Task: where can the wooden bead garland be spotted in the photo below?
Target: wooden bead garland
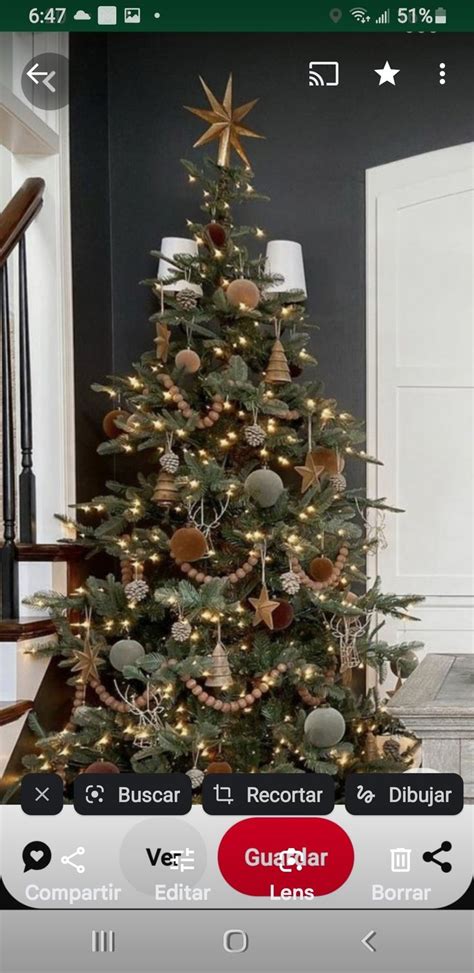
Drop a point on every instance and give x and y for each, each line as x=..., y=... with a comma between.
x=79, y=700
x=308, y=699
x=237, y=705
x=308, y=582
x=234, y=577
x=178, y=397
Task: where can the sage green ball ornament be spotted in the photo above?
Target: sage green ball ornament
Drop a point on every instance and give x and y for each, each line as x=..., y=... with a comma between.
x=405, y=664
x=264, y=486
x=126, y=652
x=324, y=727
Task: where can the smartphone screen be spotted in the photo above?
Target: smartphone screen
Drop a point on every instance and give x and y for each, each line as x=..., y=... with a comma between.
x=236, y=617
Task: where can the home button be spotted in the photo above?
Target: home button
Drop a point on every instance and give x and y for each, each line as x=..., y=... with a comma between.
x=235, y=941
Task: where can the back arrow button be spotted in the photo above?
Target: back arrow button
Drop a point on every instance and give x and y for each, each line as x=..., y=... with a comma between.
x=367, y=943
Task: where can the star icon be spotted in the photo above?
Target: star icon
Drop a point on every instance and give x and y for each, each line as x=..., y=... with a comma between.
x=224, y=124
x=387, y=74
x=310, y=472
x=264, y=607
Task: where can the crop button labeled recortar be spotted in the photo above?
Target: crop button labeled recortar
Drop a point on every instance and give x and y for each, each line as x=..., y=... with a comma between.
x=268, y=794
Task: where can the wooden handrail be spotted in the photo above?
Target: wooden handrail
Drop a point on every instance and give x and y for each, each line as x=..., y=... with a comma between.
x=18, y=214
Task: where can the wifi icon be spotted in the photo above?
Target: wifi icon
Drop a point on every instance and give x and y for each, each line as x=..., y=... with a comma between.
x=360, y=14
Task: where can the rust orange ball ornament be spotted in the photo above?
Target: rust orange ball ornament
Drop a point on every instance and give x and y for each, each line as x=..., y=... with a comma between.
x=217, y=234
x=108, y=424
x=188, y=360
x=332, y=461
x=101, y=767
x=219, y=767
x=243, y=293
x=321, y=569
x=188, y=544
x=283, y=616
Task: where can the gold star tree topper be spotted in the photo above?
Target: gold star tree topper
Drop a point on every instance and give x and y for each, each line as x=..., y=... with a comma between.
x=224, y=124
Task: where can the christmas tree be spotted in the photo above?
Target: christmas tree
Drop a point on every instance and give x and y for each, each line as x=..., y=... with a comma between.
x=232, y=637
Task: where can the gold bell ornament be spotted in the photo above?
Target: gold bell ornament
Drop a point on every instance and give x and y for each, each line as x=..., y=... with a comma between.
x=277, y=368
x=220, y=675
x=165, y=491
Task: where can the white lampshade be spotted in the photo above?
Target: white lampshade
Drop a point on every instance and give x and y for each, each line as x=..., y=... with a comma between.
x=170, y=247
x=285, y=258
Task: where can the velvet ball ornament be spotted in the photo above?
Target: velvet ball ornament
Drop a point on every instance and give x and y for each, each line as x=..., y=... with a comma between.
x=188, y=544
x=126, y=652
x=321, y=569
x=243, y=292
x=295, y=370
x=333, y=463
x=405, y=664
x=108, y=424
x=217, y=234
x=283, y=616
x=101, y=767
x=264, y=486
x=188, y=360
x=219, y=767
x=324, y=727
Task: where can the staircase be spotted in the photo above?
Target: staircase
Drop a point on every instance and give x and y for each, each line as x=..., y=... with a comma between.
x=26, y=680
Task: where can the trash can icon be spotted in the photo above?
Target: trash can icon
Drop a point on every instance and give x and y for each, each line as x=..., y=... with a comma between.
x=400, y=859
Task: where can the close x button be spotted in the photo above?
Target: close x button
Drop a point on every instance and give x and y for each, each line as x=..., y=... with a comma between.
x=42, y=794
x=266, y=794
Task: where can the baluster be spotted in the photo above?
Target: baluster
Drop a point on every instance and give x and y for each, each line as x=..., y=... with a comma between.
x=9, y=562
x=27, y=477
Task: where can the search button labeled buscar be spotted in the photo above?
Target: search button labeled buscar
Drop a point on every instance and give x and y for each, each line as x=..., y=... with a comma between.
x=132, y=794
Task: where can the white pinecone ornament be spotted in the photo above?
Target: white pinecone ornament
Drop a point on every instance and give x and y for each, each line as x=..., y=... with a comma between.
x=338, y=482
x=290, y=582
x=169, y=461
x=186, y=299
x=255, y=435
x=181, y=630
x=196, y=777
x=136, y=590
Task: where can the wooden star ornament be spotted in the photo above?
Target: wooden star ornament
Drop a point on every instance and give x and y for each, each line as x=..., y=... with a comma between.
x=224, y=124
x=87, y=661
x=310, y=472
x=162, y=342
x=264, y=607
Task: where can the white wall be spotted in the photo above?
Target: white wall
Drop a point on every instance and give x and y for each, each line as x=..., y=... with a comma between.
x=420, y=386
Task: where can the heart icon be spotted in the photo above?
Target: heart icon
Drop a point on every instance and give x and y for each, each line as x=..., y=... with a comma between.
x=36, y=855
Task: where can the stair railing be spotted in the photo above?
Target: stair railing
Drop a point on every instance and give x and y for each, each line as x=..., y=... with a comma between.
x=14, y=222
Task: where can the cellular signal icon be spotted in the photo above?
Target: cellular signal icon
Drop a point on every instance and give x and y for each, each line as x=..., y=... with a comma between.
x=384, y=18
x=360, y=14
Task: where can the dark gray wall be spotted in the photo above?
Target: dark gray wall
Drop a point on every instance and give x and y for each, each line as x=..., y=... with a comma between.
x=129, y=132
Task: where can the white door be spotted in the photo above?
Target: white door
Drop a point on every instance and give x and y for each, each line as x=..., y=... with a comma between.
x=420, y=386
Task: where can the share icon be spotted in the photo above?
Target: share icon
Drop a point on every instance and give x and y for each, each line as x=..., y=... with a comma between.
x=430, y=856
